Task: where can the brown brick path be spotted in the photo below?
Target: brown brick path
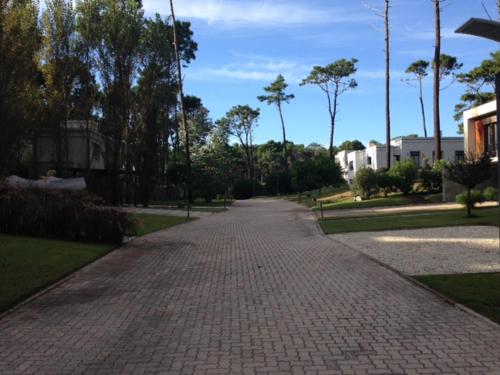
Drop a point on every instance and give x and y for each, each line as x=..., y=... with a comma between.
x=256, y=290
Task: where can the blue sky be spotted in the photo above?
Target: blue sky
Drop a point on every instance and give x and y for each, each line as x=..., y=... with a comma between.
x=244, y=45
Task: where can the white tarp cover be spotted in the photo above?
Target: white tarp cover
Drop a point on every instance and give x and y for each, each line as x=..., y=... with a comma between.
x=48, y=183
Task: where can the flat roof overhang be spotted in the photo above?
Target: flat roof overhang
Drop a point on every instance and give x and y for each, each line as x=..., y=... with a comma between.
x=480, y=27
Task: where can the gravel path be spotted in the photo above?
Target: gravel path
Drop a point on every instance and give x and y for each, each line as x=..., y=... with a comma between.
x=435, y=251
x=252, y=291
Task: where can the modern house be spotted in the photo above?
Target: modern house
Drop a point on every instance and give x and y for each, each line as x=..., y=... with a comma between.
x=480, y=130
x=419, y=149
x=480, y=137
x=82, y=148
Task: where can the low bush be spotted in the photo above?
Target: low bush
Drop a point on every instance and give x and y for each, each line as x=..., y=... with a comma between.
x=243, y=189
x=365, y=182
x=65, y=215
x=385, y=181
x=476, y=196
x=491, y=193
x=404, y=173
x=431, y=178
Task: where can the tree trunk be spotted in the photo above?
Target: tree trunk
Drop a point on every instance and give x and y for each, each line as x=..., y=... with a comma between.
x=285, y=156
x=183, y=108
x=469, y=203
x=387, y=88
x=333, y=115
x=437, y=63
x=421, y=98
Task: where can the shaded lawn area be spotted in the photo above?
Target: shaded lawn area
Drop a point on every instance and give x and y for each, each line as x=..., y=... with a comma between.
x=148, y=223
x=432, y=219
x=29, y=264
x=480, y=292
x=390, y=201
x=198, y=203
x=193, y=209
x=307, y=197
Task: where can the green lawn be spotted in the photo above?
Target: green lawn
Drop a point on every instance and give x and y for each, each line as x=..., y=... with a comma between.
x=28, y=264
x=147, y=223
x=198, y=203
x=480, y=292
x=307, y=198
x=392, y=200
x=483, y=216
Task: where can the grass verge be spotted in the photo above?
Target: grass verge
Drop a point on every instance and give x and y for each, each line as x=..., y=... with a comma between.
x=483, y=216
x=29, y=264
x=309, y=198
x=480, y=292
x=148, y=223
x=390, y=201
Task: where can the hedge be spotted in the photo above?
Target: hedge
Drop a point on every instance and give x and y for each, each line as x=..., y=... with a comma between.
x=61, y=214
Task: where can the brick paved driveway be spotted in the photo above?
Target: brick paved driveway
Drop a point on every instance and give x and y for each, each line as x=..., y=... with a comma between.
x=256, y=290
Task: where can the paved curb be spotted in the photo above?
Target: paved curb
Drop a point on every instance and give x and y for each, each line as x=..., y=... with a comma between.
x=73, y=274
x=54, y=285
x=419, y=284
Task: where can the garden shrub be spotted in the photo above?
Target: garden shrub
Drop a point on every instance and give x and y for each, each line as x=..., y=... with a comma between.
x=431, y=178
x=61, y=214
x=365, y=182
x=243, y=189
x=476, y=196
x=404, y=173
x=384, y=181
x=491, y=193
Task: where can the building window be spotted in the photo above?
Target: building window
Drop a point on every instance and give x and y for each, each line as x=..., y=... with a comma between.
x=415, y=156
x=351, y=166
x=459, y=156
x=350, y=181
x=369, y=160
x=397, y=157
x=96, y=151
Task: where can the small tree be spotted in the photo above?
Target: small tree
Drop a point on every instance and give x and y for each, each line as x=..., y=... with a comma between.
x=404, y=173
x=385, y=181
x=365, y=182
x=276, y=95
x=334, y=79
x=469, y=173
x=419, y=70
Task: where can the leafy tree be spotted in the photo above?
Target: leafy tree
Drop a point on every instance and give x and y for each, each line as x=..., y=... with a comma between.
x=276, y=94
x=476, y=81
x=448, y=66
x=419, y=70
x=385, y=181
x=20, y=97
x=365, y=182
x=469, y=173
x=431, y=178
x=351, y=145
x=404, y=173
x=334, y=80
x=59, y=61
x=241, y=121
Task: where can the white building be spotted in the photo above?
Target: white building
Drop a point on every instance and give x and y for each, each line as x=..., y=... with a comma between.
x=420, y=149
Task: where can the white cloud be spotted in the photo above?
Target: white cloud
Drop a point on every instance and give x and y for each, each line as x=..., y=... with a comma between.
x=446, y=33
x=259, y=69
x=260, y=12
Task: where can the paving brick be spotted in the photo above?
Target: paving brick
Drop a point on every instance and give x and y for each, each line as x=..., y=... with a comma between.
x=255, y=290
